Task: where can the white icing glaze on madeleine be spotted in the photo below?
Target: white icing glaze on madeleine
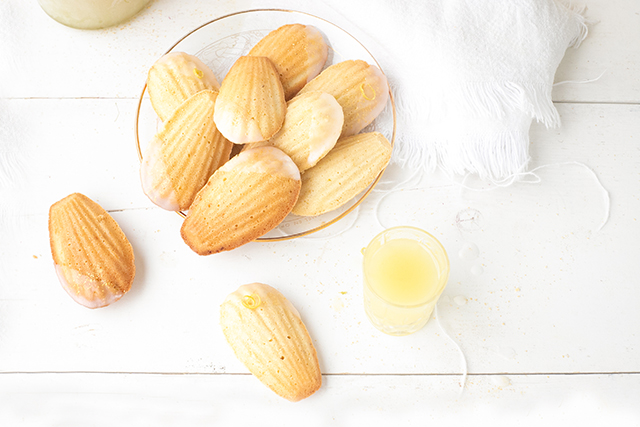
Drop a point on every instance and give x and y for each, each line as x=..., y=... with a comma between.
x=155, y=183
x=84, y=290
x=263, y=160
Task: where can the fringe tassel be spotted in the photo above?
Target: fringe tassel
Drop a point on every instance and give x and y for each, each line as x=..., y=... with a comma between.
x=496, y=99
x=577, y=13
x=493, y=156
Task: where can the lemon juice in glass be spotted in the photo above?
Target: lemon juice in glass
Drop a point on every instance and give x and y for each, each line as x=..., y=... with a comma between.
x=405, y=271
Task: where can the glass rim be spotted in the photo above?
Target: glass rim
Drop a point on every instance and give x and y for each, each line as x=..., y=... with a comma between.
x=371, y=185
x=439, y=245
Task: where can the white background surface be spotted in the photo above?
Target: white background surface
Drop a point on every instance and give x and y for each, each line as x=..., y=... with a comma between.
x=549, y=327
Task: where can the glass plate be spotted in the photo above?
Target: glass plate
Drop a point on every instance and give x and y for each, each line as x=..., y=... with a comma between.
x=220, y=42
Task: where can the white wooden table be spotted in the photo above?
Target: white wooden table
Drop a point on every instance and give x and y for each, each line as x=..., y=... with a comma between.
x=547, y=315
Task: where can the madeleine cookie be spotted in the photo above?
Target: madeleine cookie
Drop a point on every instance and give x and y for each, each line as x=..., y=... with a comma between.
x=361, y=90
x=174, y=78
x=251, y=105
x=298, y=52
x=311, y=128
x=267, y=335
x=244, y=199
x=347, y=170
x=180, y=159
x=92, y=256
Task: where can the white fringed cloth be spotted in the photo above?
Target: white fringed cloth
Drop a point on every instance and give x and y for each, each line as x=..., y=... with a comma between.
x=469, y=76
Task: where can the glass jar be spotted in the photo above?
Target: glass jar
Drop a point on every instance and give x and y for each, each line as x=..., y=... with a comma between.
x=405, y=271
x=92, y=14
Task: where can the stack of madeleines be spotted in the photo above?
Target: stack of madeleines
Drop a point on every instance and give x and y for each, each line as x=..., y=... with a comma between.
x=299, y=126
x=302, y=153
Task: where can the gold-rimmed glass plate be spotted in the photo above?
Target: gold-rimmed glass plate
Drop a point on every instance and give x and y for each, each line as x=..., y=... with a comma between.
x=220, y=42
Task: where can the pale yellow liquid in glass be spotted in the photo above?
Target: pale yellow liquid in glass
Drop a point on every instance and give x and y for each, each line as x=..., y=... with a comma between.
x=403, y=272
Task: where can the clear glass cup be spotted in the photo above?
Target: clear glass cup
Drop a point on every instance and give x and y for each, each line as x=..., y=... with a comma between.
x=92, y=14
x=405, y=270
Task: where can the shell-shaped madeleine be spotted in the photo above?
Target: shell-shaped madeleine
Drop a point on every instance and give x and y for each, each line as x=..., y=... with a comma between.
x=180, y=159
x=251, y=105
x=361, y=89
x=267, y=335
x=244, y=199
x=311, y=128
x=298, y=51
x=92, y=256
x=176, y=77
x=347, y=170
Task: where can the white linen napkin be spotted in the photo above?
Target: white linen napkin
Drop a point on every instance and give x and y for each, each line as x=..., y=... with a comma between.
x=469, y=76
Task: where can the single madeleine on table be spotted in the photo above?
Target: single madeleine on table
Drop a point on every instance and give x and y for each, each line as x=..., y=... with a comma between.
x=267, y=334
x=174, y=78
x=180, y=159
x=244, y=199
x=92, y=256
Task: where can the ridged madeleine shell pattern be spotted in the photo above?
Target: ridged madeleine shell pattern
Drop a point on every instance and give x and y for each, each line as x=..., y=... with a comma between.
x=361, y=89
x=241, y=203
x=267, y=335
x=299, y=53
x=251, y=105
x=93, y=258
x=347, y=170
x=176, y=77
x=311, y=128
x=180, y=159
